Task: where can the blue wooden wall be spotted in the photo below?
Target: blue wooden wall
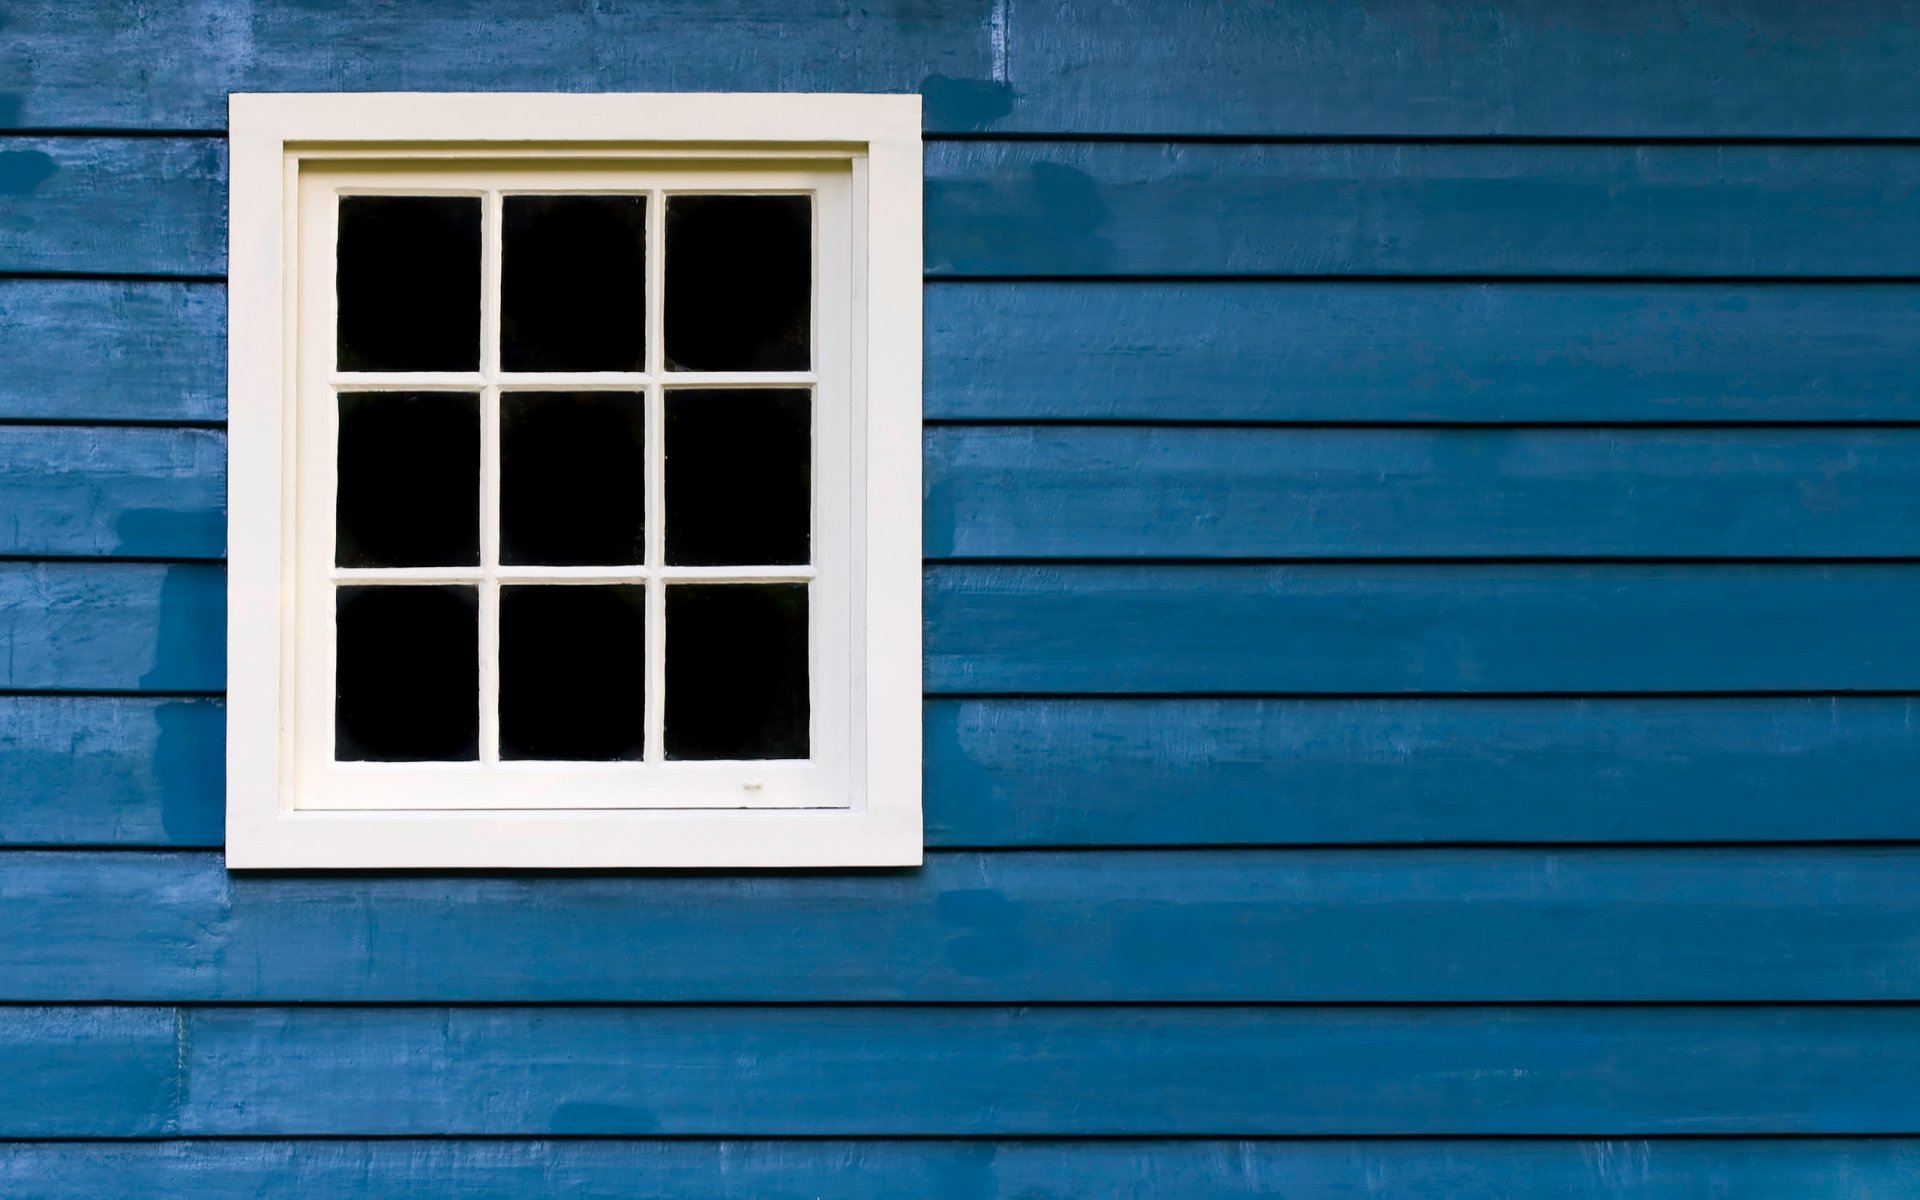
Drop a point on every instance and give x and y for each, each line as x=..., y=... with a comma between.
x=1423, y=507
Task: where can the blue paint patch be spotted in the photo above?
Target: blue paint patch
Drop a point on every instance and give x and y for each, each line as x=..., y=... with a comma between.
x=23, y=171
x=189, y=770
x=9, y=105
x=170, y=533
x=965, y=105
x=577, y=1117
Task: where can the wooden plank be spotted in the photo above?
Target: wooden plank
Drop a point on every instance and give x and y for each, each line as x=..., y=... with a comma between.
x=1130, y=493
x=1040, y=209
x=84, y=491
x=1128, y=1071
x=1755, y=68
x=112, y=770
x=1352, y=628
x=1357, y=351
x=1121, y=493
x=1354, y=351
x=1810, y=1168
x=121, y=206
x=1405, y=925
x=1036, y=209
x=85, y=350
x=1223, y=630
x=1227, y=772
x=112, y=627
x=137, y=771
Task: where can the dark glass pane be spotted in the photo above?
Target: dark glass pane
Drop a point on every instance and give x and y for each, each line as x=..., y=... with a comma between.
x=573, y=283
x=736, y=671
x=739, y=283
x=409, y=283
x=409, y=491
x=573, y=669
x=572, y=478
x=739, y=477
x=407, y=678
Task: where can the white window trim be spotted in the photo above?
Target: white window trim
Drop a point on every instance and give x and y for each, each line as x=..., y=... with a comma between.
x=875, y=820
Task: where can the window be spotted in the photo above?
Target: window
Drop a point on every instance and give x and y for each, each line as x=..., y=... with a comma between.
x=574, y=481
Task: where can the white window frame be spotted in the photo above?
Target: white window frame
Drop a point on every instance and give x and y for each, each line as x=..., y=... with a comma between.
x=856, y=800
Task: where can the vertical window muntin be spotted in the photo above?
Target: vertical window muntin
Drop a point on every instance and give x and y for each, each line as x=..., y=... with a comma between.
x=660, y=778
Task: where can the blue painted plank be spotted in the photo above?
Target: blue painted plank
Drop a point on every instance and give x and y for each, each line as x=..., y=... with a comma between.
x=1121, y=493
x=1411, y=67
x=112, y=627
x=98, y=771
x=88, y=492
x=1226, y=772
x=136, y=771
x=1327, y=628
x=1130, y=493
x=1325, y=925
x=597, y=1169
x=989, y=1072
x=1355, y=351
x=1090, y=209
x=1352, y=628
x=112, y=770
x=100, y=351
x=1040, y=209
x=140, y=206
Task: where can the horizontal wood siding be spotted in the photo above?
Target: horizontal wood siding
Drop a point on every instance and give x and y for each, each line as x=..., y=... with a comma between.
x=1679, y=924
x=612, y=1169
x=140, y=771
x=1061, y=1071
x=1423, y=533
x=1631, y=68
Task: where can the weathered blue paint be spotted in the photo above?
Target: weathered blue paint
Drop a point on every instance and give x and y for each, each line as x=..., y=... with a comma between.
x=1055, y=1070
x=1274, y=808
x=1631, y=68
x=135, y=771
x=1352, y=351
x=1413, y=628
x=1039, y=209
x=612, y=1169
x=1189, y=925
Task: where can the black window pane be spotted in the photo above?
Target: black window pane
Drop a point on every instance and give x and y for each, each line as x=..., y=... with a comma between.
x=736, y=671
x=572, y=478
x=573, y=672
x=409, y=480
x=739, y=283
x=408, y=281
x=407, y=678
x=573, y=283
x=739, y=477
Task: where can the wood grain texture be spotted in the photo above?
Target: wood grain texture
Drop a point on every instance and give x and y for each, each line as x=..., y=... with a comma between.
x=112, y=627
x=1480, y=925
x=1354, y=351
x=137, y=771
x=1126, y=493
x=120, y=206
x=1349, y=628
x=1178, y=772
x=112, y=770
x=747, y=1071
x=1042, y=209
x=1037, y=209
x=1409, y=67
x=597, y=1169
x=1359, y=351
x=85, y=350
x=88, y=492
x=1129, y=493
x=1127, y=630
